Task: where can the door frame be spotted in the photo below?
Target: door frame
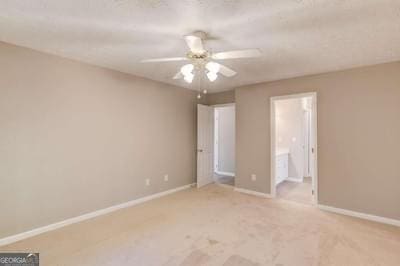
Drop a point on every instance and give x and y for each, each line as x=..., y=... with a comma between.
x=307, y=142
x=314, y=133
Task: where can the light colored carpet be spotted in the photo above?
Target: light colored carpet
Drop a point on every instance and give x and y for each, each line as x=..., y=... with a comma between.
x=294, y=191
x=217, y=226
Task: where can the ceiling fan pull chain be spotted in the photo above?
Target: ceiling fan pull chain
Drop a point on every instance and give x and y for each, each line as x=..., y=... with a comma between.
x=199, y=84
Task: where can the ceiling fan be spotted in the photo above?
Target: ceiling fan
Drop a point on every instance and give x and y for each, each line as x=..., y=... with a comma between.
x=201, y=59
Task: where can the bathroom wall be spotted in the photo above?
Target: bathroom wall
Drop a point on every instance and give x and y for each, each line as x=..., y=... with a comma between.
x=291, y=133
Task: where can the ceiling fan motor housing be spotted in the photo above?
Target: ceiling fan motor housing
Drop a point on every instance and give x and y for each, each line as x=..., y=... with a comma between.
x=201, y=34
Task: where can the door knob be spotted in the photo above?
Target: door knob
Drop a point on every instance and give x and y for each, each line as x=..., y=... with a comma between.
x=199, y=150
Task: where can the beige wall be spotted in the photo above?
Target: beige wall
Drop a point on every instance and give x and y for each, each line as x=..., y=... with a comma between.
x=358, y=136
x=76, y=138
x=220, y=97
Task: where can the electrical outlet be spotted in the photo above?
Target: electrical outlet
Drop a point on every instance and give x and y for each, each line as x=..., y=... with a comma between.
x=166, y=178
x=253, y=177
x=147, y=182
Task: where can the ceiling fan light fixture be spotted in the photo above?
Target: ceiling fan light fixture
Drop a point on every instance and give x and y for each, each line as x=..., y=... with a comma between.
x=188, y=77
x=187, y=69
x=212, y=76
x=213, y=67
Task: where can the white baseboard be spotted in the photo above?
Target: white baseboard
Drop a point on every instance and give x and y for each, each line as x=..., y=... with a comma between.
x=252, y=192
x=51, y=227
x=290, y=179
x=294, y=179
x=225, y=173
x=280, y=181
x=361, y=215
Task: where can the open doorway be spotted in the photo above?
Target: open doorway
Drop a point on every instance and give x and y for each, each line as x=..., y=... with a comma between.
x=224, y=144
x=293, y=147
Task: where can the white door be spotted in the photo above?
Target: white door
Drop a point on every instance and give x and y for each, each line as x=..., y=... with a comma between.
x=204, y=145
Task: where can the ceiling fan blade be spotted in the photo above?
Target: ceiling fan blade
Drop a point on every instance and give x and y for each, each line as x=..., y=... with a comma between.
x=237, y=54
x=166, y=59
x=226, y=71
x=195, y=44
x=178, y=75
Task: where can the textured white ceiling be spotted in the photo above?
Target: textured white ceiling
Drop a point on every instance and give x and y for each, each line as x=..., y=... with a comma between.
x=297, y=37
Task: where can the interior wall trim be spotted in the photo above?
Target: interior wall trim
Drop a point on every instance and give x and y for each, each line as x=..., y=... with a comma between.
x=360, y=215
x=54, y=226
x=295, y=179
x=252, y=192
x=225, y=173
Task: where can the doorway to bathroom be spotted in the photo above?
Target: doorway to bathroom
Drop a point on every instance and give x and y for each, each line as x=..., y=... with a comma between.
x=293, y=147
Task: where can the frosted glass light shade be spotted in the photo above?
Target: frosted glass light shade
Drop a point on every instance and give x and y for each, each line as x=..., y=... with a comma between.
x=187, y=69
x=188, y=77
x=213, y=67
x=212, y=76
